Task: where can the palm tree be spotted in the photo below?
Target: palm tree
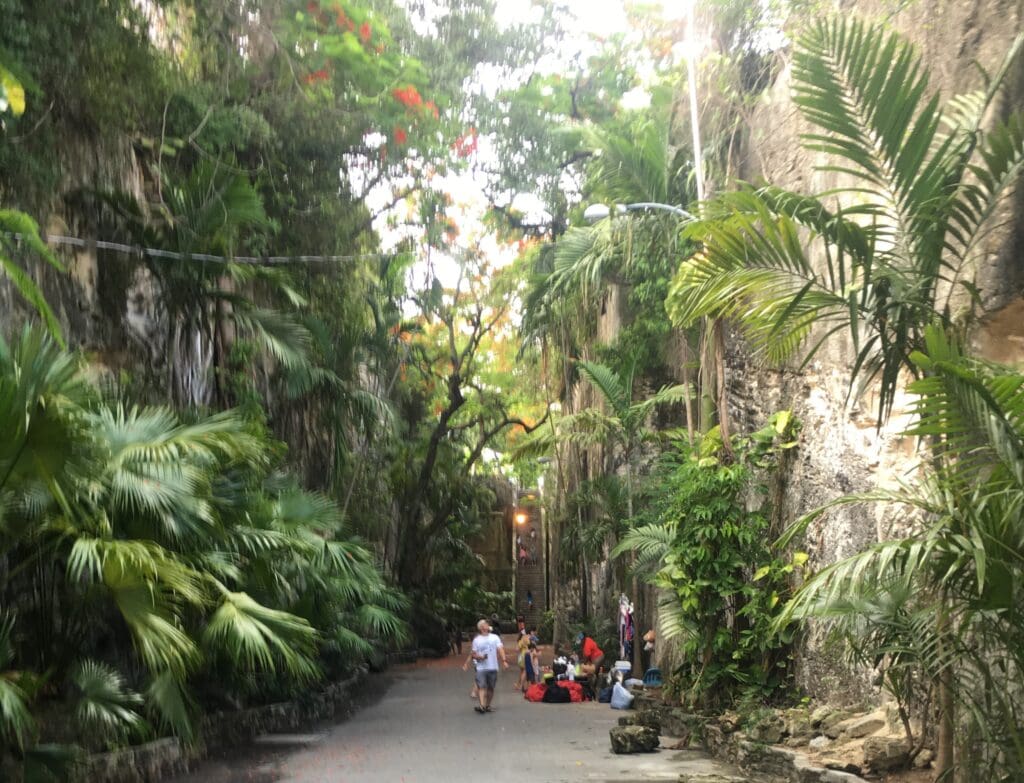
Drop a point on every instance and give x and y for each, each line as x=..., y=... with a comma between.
x=964, y=566
x=208, y=212
x=927, y=182
x=176, y=545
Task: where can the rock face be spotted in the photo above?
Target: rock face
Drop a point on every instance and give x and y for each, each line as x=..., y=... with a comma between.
x=841, y=450
x=634, y=739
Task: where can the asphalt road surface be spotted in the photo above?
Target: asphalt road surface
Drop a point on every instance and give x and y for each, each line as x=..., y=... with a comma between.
x=421, y=728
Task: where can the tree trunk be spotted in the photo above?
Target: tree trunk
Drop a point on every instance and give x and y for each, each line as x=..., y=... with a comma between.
x=944, y=752
x=638, y=601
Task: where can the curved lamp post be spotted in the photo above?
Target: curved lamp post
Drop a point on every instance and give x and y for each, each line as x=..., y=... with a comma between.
x=596, y=212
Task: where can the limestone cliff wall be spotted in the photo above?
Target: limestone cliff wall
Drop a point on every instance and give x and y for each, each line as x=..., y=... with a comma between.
x=842, y=449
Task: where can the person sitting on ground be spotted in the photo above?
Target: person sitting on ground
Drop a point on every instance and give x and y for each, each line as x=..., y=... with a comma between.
x=591, y=655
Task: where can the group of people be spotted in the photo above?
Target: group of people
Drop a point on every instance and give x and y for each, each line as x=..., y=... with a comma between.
x=524, y=555
x=488, y=652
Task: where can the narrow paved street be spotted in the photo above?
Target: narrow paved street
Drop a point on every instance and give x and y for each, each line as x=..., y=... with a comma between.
x=423, y=729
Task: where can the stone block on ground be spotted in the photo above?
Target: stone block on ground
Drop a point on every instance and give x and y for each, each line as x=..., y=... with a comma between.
x=649, y=719
x=633, y=739
x=841, y=765
x=924, y=758
x=885, y=753
x=768, y=730
x=820, y=714
x=798, y=723
x=819, y=743
x=833, y=719
x=861, y=726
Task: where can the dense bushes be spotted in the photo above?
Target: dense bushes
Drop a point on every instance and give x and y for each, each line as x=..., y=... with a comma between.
x=142, y=556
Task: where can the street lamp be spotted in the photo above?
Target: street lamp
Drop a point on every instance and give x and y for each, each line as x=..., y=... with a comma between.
x=596, y=212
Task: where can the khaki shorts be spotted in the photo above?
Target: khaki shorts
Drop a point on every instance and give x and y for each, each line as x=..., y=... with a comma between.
x=486, y=678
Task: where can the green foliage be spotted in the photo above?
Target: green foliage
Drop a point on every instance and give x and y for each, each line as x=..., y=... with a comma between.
x=699, y=542
x=178, y=545
x=106, y=707
x=925, y=185
x=946, y=598
x=17, y=223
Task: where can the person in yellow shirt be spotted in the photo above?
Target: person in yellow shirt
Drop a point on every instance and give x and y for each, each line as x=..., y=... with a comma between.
x=523, y=647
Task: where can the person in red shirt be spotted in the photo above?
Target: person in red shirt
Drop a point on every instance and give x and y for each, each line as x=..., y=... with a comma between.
x=591, y=655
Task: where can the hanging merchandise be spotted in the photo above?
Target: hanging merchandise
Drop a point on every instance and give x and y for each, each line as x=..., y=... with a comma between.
x=626, y=628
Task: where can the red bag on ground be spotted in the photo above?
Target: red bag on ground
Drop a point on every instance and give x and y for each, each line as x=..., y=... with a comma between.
x=575, y=690
x=535, y=692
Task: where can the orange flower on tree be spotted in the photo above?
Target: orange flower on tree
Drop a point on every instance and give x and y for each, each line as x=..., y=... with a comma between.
x=408, y=96
x=401, y=137
x=321, y=75
x=465, y=145
x=365, y=31
x=432, y=108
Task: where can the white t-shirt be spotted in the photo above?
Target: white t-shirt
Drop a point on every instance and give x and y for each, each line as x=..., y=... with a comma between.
x=487, y=646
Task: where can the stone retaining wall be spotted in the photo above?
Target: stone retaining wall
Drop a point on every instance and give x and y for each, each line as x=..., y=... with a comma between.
x=162, y=758
x=724, y=743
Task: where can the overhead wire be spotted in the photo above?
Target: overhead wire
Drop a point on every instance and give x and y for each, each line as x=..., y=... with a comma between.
x=172, y=255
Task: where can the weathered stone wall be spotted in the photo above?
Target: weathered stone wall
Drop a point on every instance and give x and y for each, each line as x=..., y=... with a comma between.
x=842, y=449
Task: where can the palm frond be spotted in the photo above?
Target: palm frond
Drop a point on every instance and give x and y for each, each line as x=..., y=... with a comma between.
x=650, y=543
x=106, y=706
x=17, y=725
x=865, y=90
x=611, y=387
x=167, y=697
x=286, y=339
x=674, y=623
x=14, y=222
x=381, y=623
x=257, y=637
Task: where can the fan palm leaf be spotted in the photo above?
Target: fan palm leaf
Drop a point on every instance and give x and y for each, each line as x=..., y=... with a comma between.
x=105, y=706
x=17, y=726
x=257, y=637
x=167, y=697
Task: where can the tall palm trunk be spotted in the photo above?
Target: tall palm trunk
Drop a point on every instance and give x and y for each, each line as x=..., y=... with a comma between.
x=638, y=603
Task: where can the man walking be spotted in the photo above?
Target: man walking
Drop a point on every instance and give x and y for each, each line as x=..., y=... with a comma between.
x=487, y=649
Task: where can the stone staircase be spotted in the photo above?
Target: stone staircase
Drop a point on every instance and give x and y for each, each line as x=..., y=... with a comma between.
x=530, y=577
